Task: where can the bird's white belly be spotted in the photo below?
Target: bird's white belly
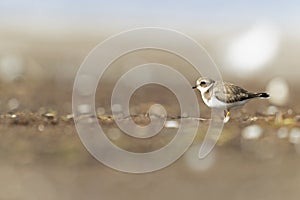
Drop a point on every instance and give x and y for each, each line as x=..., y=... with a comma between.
x=213, y=102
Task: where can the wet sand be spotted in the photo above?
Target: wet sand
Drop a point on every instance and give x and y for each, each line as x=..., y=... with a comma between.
x=42, y=157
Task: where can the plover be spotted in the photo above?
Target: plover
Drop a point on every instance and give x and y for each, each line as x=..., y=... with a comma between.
x=216, y=94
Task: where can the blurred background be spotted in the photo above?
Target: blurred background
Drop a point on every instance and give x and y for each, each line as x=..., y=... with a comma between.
x=48, y=40
x=43, y=43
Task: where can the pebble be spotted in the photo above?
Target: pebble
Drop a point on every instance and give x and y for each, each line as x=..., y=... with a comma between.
x=84, y=108
x=272, y=110
x=282, y=132
x=50, y=115
x=171, y=124
x=41, y=127
x=116, y=108
x=297, y=118
x=13, y=104
x=252, y=132
x=100, y=111
x=114, y=133
x=294, y=136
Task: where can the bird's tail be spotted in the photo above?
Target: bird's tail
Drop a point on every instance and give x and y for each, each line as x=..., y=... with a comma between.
x=262, y=95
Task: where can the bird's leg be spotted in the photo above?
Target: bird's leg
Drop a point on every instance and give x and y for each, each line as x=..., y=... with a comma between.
x=227, y=116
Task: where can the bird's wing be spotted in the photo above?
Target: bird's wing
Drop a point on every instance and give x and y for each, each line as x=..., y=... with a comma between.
x=230, y=93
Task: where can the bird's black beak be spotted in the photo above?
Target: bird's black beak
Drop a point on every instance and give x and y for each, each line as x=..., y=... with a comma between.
x=194, y=87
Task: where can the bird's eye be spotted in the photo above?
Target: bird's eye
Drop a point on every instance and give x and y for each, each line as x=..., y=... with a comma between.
x=202, y=83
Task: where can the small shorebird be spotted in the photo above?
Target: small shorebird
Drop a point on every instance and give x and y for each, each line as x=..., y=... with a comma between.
x=216, y=94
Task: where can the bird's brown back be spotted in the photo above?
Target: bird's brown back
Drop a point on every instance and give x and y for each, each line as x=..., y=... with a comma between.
x=230, y=93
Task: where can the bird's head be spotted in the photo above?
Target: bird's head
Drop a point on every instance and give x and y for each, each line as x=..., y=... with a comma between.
x=203, y=84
